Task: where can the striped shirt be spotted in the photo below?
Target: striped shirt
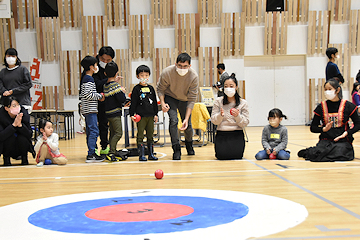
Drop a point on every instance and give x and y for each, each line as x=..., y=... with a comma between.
x=114, y=98
x=88, y=95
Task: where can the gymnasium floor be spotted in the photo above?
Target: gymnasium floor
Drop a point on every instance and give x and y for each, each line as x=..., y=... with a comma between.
x=292, y=199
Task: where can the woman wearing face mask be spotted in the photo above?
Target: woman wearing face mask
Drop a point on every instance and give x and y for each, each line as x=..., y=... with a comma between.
x=15, y=131
x=231, y=114
x=331, y=119
x=274, y=138
x=15, y=79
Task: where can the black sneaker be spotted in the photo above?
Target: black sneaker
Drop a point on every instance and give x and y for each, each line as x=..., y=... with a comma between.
x=94, y=158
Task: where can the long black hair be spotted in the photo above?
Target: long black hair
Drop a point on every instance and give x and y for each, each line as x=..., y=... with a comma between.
x=42, y=124
x=237, y=96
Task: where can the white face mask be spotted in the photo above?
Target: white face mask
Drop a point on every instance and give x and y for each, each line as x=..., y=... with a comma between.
x=182, y=72
x=96, y=69
x=330, y=94
x=230, y=92
x=274, y=123
x=102, y=64
x=11, y=60
x=144, y=80
x=337, y=56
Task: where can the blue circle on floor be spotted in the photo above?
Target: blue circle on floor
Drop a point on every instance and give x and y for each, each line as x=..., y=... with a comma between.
x=71, y=218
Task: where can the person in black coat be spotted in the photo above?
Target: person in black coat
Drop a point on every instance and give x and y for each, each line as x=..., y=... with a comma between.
x=15, y=131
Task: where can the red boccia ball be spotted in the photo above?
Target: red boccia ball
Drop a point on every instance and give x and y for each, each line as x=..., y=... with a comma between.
x=159, y=174
x=231, y=110
x=272, y=156
x=137, y=118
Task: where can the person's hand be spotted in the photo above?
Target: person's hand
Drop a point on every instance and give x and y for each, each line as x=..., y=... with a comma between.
x=7, y=93
x=184, y=125
x=44, y=136
x=268, y=151
x=17, y=121
x=133, y=118
x=235, y=112
x=165, y=107
x=118, y=79
x=274, y=152
x=103, y=97
x=222, y=113
x=328, y=126
x=341, y=136
x=156, y=119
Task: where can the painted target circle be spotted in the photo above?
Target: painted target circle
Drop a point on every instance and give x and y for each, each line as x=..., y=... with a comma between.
x=192, y=214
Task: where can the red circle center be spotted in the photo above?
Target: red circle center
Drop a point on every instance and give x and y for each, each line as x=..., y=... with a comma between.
x=137, y=212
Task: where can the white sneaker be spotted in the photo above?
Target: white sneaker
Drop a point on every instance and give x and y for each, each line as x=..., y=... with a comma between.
x=40, y=164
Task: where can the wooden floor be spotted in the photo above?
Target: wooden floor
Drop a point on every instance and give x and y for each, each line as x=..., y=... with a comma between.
x=329, y=191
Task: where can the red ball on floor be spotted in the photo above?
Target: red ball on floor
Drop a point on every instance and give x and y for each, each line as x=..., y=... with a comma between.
x=159, y=174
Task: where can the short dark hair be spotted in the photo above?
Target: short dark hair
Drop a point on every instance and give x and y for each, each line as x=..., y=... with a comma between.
x=6, y=101
x=42, y=123
x=221, y=66
x=111, y=69
x=183, y=57
x=142, y=68
x=275, y=112
x=330, y=51
x=12, y=52
x=107, y=50
x=88, y=61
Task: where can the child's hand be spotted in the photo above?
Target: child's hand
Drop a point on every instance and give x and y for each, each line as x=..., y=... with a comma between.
x=133, y=118
x=274, y=152
x=222, y=112
x=328, y=126
x=268, y=151
x=103, y=97
x=341, y=136
x=156, y=119
x=118, y=79
x=44, y=136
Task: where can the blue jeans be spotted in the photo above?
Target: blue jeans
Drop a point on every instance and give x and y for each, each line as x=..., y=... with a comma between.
x=281, y=155
x=92, y=132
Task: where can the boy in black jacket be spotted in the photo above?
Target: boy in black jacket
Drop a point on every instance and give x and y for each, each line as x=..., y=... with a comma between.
x=144, y=103
x=114, y=98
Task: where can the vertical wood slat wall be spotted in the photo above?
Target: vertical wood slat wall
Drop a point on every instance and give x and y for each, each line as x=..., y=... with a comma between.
x=70, y=13
x=94, y=34
x=7, y=35
x=141, y=35
x=254, y=10
x=275, y=33
x=210, y=11
x=344, y=63
x=318, y=32
x=117, y=12
x=123, y=60
x=298, y=10
x=162, y=58
x=340, y=10
x=232, y=34
x=48, y=38
x=164, y=12
x=316, y=94
x=24, y=13
x=187, y=33
x=70, y=72
x=354, y=31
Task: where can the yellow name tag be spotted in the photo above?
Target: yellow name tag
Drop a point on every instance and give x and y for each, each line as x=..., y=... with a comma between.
x=145, y=89
x=275, y=135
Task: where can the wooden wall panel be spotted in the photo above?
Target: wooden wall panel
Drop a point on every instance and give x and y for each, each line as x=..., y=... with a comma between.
x=210, y=11
x=70, y=73
x=340, y=10
x=117, y=12
x=162, y=58
x=70, y=13
x=208, y=60
x=187, y=32
x=24, y=13
x=298, y=10
x=94, y=34
x=232, y=34
x=164, y=12
x=276, y=25
x=123, y=60
x=254, y=10
x=354, y=31
x=7, y=35
x=141, y=35
x=48, y=38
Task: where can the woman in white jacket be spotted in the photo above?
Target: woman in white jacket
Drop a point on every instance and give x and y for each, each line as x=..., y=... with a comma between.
x=47, y=145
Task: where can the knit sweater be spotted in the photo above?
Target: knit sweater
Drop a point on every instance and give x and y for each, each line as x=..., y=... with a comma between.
x=19, y=81
x=228, y=122
x=52, y=141
x=183, y=88
x=143, y=101
x=114, y=98
x=88, y=95
x=274, y=138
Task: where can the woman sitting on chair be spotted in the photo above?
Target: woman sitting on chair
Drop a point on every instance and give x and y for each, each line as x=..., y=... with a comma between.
x=231, y=115
x=15, y=131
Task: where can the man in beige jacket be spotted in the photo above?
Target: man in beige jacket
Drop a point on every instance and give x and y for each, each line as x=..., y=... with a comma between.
x=178, y=90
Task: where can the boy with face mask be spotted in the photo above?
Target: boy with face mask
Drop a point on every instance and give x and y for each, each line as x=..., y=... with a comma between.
x=178, y=90
x=144, y=103
x=274, y=138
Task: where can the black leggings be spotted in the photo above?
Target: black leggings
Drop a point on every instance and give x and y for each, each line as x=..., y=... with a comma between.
x=229, y=145
x=16, y=145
